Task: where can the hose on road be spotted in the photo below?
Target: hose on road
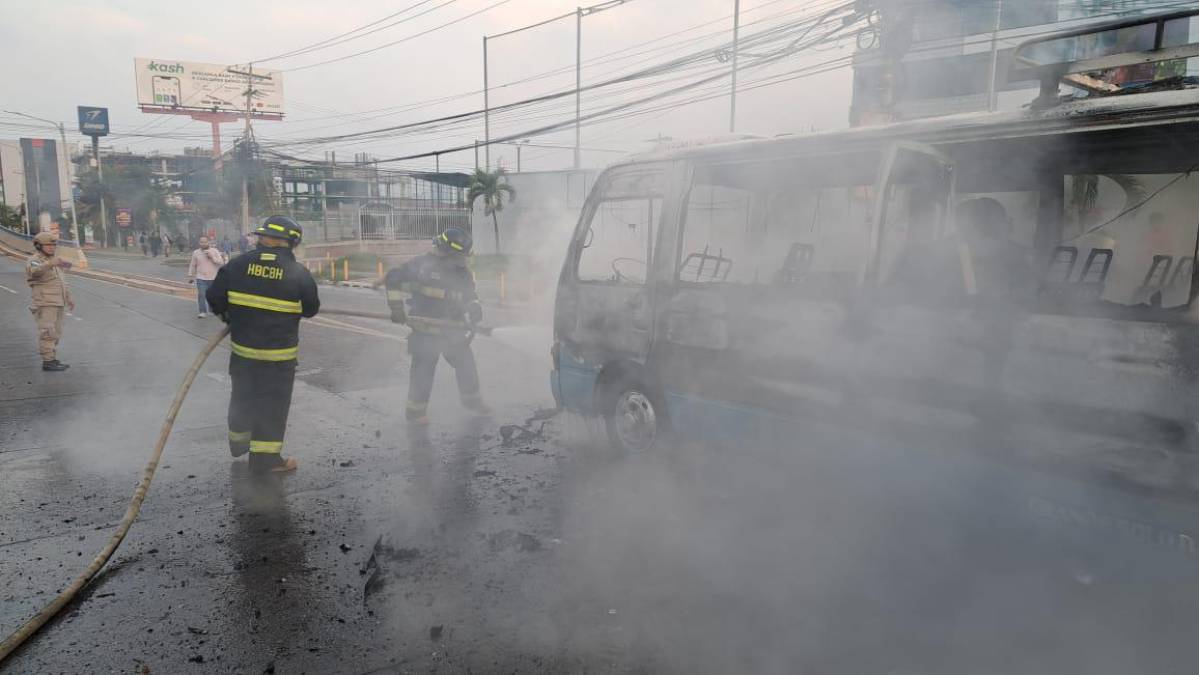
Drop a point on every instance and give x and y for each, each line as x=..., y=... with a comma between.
x=12, y=642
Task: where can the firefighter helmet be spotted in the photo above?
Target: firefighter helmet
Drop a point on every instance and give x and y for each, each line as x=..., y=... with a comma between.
x=454, y=240
x=282, y=227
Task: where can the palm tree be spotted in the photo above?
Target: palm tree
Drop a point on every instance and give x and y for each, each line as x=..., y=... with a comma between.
x=491, y=186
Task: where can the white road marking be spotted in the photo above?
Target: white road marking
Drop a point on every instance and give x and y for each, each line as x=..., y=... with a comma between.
x=306, y=373
x=8, y=289
x=219, y=377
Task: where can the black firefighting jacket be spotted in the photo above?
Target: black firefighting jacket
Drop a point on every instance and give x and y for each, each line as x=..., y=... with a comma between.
x=263, y=294
x=439, y=286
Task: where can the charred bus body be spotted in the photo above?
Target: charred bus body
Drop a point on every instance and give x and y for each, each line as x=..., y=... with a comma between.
x=1009, y=294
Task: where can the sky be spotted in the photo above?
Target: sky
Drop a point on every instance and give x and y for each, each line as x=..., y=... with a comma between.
x=58, y=54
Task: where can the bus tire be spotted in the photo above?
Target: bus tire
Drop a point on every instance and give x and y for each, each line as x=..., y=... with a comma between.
x=634, y=417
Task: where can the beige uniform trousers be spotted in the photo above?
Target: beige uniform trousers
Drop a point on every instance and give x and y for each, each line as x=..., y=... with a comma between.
x=49, y=329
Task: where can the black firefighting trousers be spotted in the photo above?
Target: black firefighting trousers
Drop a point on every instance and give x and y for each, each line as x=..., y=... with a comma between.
x=426, y=350
x=258, y=408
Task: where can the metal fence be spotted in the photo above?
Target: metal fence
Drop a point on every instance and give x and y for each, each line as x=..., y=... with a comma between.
x=384, y=222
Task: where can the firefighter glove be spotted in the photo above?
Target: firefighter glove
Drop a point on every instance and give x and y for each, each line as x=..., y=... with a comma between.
x=474, y=313
x=397, y=314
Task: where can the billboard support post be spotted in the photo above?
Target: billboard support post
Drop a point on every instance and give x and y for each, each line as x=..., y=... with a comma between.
x=100, y=176
x=93, y=122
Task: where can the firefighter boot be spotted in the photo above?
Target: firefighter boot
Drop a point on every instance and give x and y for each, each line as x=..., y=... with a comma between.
x=417, y=414
x=474, y=403
x=54, y=366
x=264, y=463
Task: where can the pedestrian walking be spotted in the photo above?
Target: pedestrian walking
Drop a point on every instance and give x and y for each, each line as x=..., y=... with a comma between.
x=51, y=297
x=145, y=243
x=444, y=307
x=155, y=243
x=226, y=246
x=262, y=295
x=206, y=261
x=166, y=245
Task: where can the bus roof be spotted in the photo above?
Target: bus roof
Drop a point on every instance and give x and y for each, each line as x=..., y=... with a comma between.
x=1078, y=116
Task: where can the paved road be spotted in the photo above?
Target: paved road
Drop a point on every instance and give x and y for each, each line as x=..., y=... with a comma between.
x=502, y=545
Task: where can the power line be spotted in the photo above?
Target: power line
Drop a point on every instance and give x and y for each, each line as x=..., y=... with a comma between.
x=401, y=40
x=336, y=39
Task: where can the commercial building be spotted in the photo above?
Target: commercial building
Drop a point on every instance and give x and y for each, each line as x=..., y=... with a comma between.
x=34, y=181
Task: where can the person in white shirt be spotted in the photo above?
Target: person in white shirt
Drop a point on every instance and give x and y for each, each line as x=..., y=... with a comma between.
x=205, y=262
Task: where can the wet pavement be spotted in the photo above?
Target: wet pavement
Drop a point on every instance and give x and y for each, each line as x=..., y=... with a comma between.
x=508, y=544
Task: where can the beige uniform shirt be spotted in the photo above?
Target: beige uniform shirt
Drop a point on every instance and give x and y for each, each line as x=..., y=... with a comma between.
x=49, y=284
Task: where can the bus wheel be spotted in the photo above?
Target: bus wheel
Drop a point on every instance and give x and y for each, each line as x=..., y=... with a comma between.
x=634, y=420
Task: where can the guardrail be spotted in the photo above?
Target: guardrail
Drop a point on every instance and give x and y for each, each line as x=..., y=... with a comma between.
x=22, y=243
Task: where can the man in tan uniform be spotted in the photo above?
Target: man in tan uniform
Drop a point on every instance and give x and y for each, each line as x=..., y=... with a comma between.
x=51, y=297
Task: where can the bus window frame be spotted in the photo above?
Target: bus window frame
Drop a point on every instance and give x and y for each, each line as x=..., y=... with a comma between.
x=599, y=196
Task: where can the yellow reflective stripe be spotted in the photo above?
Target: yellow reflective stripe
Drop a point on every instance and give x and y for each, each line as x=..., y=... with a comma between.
x=455, y=245
x=277, y=227
x=395, y=295
x=294, y=233
x=432, y=292
x=239, y=436
x=285, y=354
x=417, y=406
x=273, y=447
x=267, y=256
x=263, y=302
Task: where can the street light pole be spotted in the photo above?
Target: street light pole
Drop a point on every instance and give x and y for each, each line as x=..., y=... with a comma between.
x=62, y=134
x=486, y=109
x=578, y=86
x=992, y=89
x=733, y=87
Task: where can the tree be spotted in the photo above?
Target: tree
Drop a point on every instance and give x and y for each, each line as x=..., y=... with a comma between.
x=491, y=186
x=10, y=218
x=130, y=185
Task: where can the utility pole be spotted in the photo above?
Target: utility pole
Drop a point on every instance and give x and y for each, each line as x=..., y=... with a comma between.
x=245, y=182
x=733, y=87
x=486, y=109
x=437, y=202
x=992, y=88
x=578, y=86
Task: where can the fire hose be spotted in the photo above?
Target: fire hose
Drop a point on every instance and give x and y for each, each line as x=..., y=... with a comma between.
x=30, y=627
x=12, y=642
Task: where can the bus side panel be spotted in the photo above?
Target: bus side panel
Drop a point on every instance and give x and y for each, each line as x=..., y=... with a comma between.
x=574, y=381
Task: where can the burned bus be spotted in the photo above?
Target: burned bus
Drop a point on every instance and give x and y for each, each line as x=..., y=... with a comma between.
x=1013, y=292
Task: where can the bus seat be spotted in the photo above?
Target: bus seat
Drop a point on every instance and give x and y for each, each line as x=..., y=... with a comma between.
x=1061, y=266
x=1092, y=279
x=704, y=267
x=1159, y=271
x=1150, y=292
x=1183, y=271
x=798, y=263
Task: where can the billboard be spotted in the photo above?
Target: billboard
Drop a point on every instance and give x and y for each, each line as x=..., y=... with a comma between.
x=93, y=121
x=124, y=217
x=205, y=87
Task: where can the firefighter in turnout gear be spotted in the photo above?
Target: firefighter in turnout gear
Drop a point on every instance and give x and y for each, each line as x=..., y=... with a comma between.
x=262, y=294
x=44, y=272
x=442, y=310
